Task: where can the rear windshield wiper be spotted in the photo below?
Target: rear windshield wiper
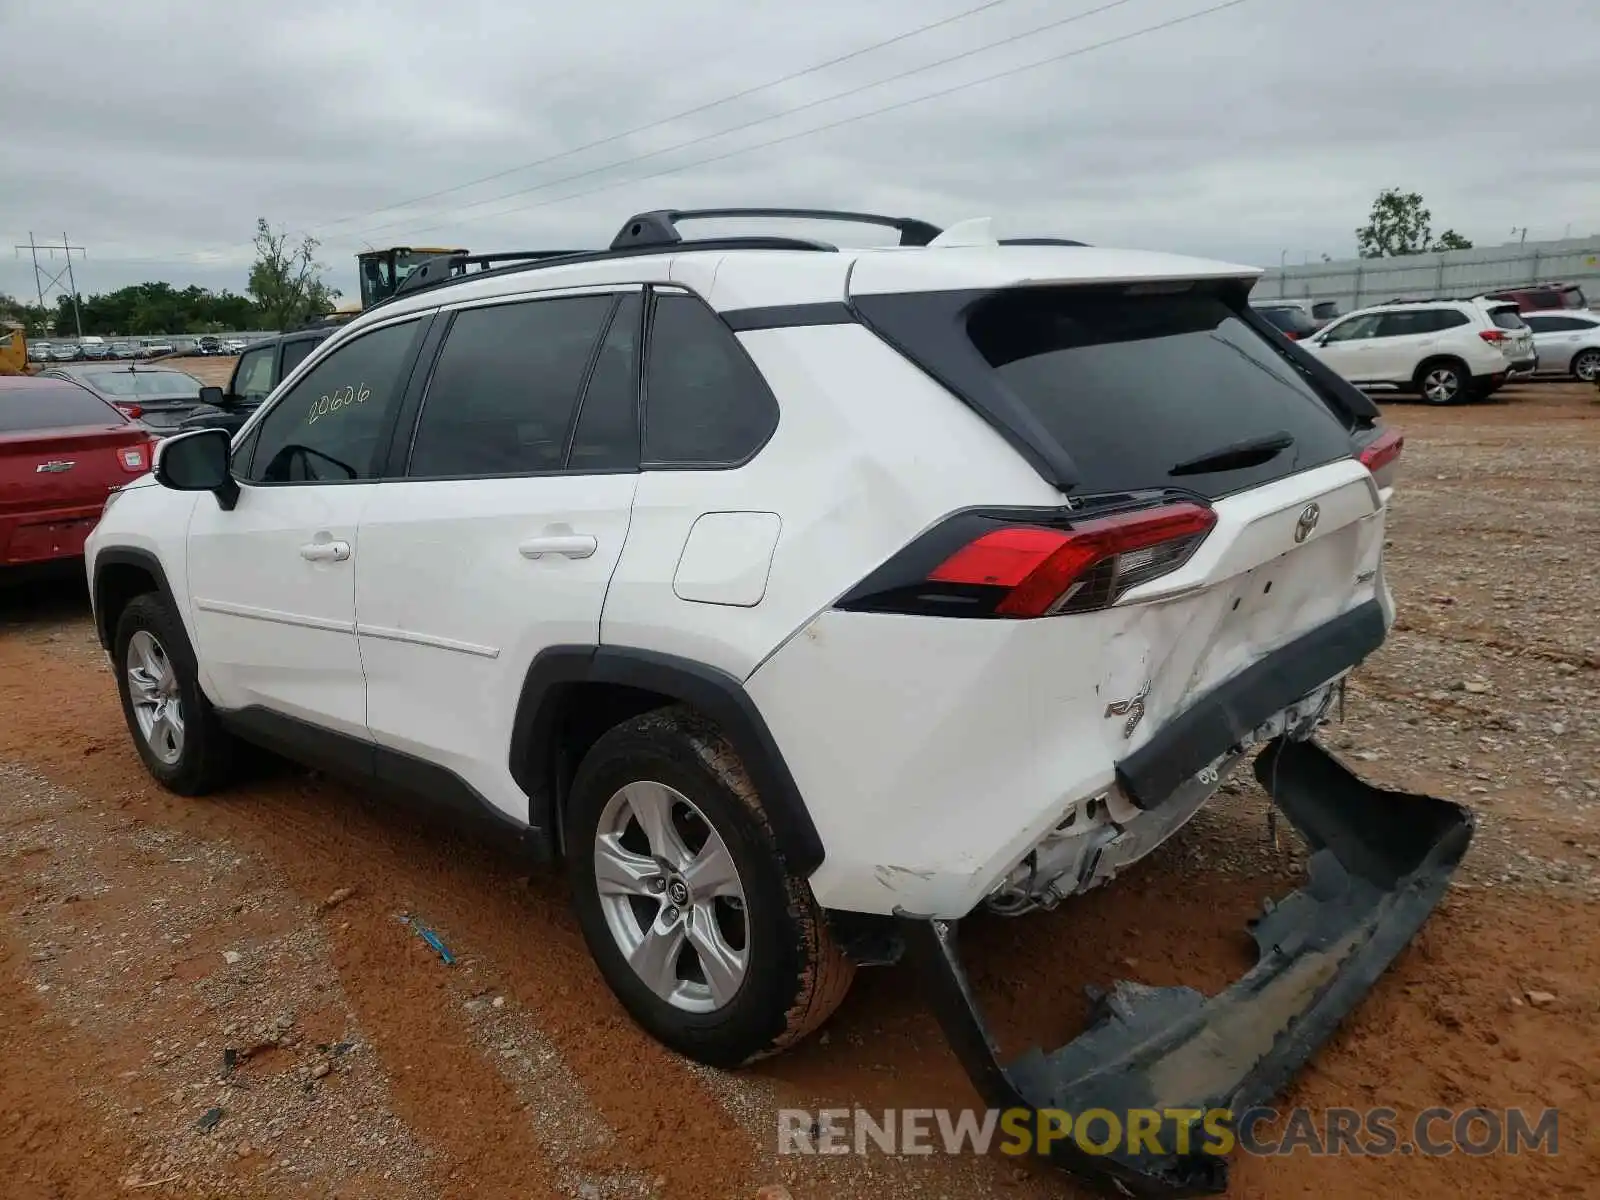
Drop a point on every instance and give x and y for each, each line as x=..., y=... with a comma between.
x=1251, y=452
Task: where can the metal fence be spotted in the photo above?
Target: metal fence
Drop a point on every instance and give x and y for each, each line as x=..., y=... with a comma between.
x=1362, y=281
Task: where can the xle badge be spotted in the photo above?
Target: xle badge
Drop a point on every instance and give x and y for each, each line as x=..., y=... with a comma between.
x=1132, y=708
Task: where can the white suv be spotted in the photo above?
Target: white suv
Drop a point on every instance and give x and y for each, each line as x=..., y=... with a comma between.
x=804, y=601
x=1444, y=350
x=1568, y=343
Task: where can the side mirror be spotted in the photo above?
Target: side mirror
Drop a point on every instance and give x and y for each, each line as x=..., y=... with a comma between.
x=198, y=462
x=213, y=396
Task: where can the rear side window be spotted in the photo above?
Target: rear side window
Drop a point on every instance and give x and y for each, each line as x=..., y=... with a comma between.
x=505, y=388
x=1153, y=391
x=252, y=378
x=607, y=434
x=53, y=406
x=705, y=402
x=295, y=353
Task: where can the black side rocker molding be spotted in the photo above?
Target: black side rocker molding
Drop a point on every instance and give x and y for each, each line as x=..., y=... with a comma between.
x=536, y=745
x=1380, y=863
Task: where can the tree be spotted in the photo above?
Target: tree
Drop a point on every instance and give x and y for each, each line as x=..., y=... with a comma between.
x=286, y=281
x=1399, y=224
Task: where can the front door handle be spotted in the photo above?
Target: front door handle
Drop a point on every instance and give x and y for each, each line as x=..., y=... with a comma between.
x=325, y=551
x=570, y=545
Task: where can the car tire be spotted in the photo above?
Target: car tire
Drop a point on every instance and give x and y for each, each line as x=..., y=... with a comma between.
x=1586, y=366
x=1443, y=381
x=174, y=727
x=735, y=958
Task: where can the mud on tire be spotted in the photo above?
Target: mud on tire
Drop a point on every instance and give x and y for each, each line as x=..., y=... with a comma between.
x=795, y=974
x=205, y=752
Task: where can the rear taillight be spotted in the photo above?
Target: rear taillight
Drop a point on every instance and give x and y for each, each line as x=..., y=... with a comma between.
x=1382, y=450
x=1015, y=569
x=136, y=459
x=132, y=411
x=1493, y=336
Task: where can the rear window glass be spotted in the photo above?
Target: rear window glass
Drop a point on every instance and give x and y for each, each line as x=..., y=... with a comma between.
x=144, y=383
x=1507, y=318
x=64, y=407
x=1139, y=388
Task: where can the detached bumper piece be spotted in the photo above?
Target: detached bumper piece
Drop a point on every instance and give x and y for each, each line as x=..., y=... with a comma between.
x=1380, y=862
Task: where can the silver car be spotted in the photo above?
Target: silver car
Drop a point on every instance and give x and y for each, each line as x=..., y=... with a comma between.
x=1568, y=343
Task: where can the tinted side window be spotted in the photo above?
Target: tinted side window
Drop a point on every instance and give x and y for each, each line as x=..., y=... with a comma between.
x=252, y=378
x=607, y=435
x=505, y=386
x=295, y=353
x=334, y=424
x=1353, y=328
x=1449, y=318
x=705, y=402
x=1399, y=324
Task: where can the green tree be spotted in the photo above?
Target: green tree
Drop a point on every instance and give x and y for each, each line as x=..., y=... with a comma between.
x=1400, y=224
x=286, y=280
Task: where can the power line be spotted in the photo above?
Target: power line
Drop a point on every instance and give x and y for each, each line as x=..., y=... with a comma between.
x=804, y=133
x=678, y=116
x=789, y=112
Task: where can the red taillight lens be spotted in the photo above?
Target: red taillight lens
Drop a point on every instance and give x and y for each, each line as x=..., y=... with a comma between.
x=132, y=411
x=1382, y=451
x=1291, y=335
x=1074, y=570
x=1493, y=336
x=135, y=459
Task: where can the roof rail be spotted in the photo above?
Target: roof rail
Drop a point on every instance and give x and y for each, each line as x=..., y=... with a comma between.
x=436, y=272
x=1040, y=241
x=659, y=227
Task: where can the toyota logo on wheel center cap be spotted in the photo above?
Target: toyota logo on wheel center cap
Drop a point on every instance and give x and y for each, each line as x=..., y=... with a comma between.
x=1309, y=516
x=678, y=892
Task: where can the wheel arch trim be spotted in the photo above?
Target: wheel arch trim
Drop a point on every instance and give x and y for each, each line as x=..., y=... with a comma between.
x=535, y=752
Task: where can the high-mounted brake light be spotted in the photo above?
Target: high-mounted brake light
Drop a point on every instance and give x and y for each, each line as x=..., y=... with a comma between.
x=1382, y=450
x=1046, y=571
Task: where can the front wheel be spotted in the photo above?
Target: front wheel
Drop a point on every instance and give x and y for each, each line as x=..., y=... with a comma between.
x=709, y=941
x=1587, y=366
x=174, y=727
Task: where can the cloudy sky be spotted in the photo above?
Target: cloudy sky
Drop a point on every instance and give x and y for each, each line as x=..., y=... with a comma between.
x=155, y=133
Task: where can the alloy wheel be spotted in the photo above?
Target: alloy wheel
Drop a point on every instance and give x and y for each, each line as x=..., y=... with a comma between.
x=672, y=897
x=153, y=690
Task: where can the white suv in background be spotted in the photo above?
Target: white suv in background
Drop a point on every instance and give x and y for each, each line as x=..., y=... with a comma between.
x=1568, y=343
x=804, y=601
x=1443, y=350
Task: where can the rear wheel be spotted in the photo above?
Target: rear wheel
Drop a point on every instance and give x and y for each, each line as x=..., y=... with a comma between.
x=174, y=727
x=1443, y=382
x=711, y=944
x=1586, y=366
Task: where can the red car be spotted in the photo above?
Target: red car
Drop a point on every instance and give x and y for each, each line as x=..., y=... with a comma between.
x=63, y=450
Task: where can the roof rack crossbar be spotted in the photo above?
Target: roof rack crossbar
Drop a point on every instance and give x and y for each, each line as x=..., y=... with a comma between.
x=436, y=272
x=659, y=227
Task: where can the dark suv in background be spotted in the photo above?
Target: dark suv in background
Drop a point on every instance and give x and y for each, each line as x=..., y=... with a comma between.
x=257, y=372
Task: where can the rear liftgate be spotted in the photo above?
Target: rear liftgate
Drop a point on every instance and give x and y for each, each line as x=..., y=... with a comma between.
x=1380, y=862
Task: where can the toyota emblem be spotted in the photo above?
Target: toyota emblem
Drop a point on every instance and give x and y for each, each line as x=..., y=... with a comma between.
x=1309, y=516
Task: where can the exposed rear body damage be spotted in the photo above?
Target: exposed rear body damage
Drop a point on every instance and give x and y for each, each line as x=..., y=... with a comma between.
x=1380, y=862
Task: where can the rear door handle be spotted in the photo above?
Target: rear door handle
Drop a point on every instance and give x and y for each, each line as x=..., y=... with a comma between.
x=325, y=551
x=570, y=545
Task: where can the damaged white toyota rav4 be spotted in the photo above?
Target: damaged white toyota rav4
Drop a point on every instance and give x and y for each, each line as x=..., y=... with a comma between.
x=804, y=601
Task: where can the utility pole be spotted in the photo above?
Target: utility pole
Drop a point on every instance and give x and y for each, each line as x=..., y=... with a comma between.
x=43, y=285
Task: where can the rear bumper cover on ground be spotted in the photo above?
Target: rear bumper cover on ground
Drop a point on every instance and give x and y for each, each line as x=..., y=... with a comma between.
x=1380, y=862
